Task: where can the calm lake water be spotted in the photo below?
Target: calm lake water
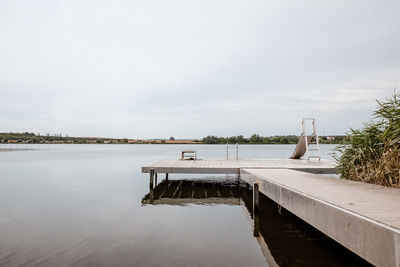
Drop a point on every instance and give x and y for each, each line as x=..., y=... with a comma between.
x=88, y=205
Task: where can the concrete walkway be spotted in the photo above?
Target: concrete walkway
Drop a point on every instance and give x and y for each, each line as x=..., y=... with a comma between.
x=364, y=218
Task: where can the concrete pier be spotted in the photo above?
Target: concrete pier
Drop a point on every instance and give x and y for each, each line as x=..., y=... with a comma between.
x=362, y=217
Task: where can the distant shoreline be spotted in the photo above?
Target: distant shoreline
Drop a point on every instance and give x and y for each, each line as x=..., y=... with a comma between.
x=31, y=138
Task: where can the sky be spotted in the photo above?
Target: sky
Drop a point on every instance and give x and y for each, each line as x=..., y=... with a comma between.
x=188, y=69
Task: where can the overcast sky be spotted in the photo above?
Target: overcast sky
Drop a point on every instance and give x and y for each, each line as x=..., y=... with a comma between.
x=146, y=69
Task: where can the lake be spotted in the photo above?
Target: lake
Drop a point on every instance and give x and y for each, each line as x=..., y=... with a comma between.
x=88, y=205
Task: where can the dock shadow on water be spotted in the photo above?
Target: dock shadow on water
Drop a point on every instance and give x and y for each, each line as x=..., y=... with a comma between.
x=284, y=239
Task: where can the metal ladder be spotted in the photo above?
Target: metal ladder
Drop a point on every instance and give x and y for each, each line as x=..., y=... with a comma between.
x=314, y=143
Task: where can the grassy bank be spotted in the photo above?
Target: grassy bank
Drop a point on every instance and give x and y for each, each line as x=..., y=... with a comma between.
x=373, y=152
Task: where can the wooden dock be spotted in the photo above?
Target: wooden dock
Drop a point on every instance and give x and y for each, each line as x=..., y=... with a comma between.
x=219, y=166
x=362, y=217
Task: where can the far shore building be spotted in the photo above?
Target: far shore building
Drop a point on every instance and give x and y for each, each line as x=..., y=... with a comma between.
x=181, y=141
x=152, y=141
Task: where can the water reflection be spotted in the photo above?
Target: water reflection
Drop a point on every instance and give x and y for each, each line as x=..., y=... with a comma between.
x=229, y=191
x=284, y=239
x=81, y=205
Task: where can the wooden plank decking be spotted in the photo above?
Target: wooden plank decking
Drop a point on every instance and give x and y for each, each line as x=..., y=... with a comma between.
x=219, y=166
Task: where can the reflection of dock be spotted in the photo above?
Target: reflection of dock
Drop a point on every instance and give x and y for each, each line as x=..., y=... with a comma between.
x=283, y=238
x=182, y=192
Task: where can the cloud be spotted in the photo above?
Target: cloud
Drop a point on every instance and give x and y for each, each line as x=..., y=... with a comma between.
x=188, y=69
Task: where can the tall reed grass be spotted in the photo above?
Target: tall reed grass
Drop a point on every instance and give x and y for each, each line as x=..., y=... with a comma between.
x=372, y=154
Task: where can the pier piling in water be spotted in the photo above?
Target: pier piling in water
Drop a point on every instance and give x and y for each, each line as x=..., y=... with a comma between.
x=256, y=203
x=255, y=197
x=151, y=185
x=151, y=178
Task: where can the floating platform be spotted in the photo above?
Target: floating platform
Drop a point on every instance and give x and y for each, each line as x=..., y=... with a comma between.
x=220, y=166
x=364, y=218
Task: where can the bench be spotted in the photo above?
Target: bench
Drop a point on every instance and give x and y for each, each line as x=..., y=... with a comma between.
x=189, y=154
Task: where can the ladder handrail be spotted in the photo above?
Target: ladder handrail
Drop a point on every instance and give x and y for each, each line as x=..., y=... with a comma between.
x=314, y=135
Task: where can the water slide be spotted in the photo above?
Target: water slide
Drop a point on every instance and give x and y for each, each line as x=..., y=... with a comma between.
x=301, y=148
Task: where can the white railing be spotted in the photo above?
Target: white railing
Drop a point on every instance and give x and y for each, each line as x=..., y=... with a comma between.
x=237, y=151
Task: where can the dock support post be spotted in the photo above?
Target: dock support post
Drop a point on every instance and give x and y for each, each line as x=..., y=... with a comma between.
x=166, y=176
x=256, y=218
x=155, y=179
x=256, y=203
x=255, y=197
x=151, y=178
x=237, y=151
x=227, y=151
x=151, y=186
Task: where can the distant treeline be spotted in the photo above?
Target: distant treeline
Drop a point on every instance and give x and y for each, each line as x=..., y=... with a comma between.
x=32, y=138
x=54, y=138
x=278, y=139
